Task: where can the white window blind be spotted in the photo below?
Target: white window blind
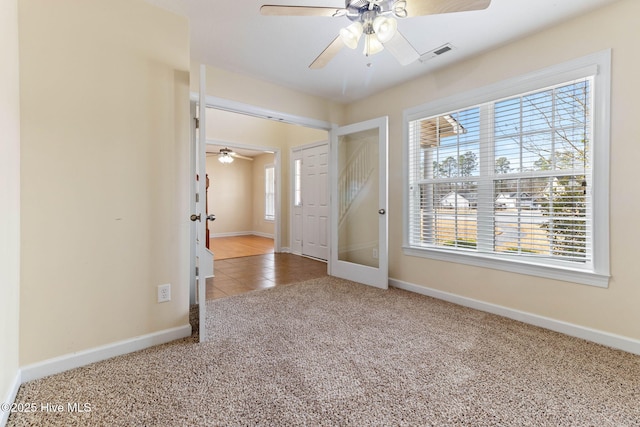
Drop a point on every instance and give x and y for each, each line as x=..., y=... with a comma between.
x=510, y=177
x=269, y=193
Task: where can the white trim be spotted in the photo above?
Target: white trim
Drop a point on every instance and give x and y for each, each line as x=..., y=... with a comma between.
x=294, y=155
x=11, y=397
x=232, y=144
x=264, y=113
x=242, y=233
x=260, y=112
x=374, y=276
x=597, y=336
x=516, y=265
x=570, y=70
x=310, y=145
x=597, y=65
x=96, y=354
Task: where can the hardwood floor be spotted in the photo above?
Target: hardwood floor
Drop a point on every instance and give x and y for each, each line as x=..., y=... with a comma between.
x=241, y=274
x=240, y=246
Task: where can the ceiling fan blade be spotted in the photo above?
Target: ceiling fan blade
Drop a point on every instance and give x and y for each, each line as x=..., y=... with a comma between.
x=327, y=54
x=275, y=10
x=433, y=7
x=240, y=156
x=400, y=47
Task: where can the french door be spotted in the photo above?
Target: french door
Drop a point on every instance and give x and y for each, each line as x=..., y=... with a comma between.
x=359, y=236
x=202, y=258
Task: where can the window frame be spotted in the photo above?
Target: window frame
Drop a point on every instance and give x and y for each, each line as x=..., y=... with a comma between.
x=297, y=182
x=598, y=66
x=268, y=217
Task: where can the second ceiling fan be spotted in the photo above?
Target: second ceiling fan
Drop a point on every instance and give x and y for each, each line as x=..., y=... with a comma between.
x=376, y=21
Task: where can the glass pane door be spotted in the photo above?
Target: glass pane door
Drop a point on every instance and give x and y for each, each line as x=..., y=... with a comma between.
x=359, y=186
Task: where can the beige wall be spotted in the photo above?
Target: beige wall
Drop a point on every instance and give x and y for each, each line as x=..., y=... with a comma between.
x=613, y=310
x=9, y=197
x=237, y=87
x=236, y=196
x=104, y=92
x=230, y=196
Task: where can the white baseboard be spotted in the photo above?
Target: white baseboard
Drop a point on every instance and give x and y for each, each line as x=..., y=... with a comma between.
x=10, y=398
x=86, y=357
x=260, y=234
x=241, y=233
x=600, y=337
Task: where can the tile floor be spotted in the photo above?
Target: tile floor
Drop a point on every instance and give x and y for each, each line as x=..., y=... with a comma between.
x=235, y=276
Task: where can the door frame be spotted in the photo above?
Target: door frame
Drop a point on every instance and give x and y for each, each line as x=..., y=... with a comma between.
x=277, y=159
x=373, y=276
x=268, y=114
x=292, y=158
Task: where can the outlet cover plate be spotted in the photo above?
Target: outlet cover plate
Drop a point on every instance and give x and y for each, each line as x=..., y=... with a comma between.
x=164, y=293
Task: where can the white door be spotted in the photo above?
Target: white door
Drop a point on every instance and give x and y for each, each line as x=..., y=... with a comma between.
x=359, y=208
x=202, y=257
x=315, y=202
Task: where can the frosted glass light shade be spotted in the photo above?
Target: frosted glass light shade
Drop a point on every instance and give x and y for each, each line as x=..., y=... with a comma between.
x=372, y=45
x=225, y=158
x=385, y=28
x=351, y=35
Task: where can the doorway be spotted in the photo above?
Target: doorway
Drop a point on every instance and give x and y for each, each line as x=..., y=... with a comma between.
x=242, y=192
x=253, y=132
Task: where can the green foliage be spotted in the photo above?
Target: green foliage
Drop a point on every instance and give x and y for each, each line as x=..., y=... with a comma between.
x=503, y=165
x=566, y=206
x=464, y=165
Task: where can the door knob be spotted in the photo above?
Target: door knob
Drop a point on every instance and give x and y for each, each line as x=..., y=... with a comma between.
x=195, y=217
x=211, y=217
x=382, y=211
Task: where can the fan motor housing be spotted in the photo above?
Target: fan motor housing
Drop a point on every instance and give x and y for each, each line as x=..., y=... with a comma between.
x=357, y=9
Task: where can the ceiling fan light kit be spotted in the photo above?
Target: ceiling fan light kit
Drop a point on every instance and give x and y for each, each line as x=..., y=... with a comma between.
x=376, y=20
x=350, y=35
x=225, y=156
x=385, y=28
x=371, y=18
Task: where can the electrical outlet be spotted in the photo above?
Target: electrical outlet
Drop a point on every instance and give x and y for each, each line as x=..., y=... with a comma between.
x=164, y=293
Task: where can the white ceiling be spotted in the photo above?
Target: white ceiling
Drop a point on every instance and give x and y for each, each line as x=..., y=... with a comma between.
x=232, y=35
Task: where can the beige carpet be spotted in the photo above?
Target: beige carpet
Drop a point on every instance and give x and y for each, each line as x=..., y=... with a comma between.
x=331, y=352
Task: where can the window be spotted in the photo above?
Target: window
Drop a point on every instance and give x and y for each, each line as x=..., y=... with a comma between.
x=514, y=180
x=269, y=193
x=297, y=182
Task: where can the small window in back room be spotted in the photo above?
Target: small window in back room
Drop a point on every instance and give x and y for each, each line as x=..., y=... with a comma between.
x=269, y=193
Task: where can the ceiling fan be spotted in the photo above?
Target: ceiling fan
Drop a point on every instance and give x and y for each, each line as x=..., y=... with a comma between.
x=226, y=155
x=376, y=20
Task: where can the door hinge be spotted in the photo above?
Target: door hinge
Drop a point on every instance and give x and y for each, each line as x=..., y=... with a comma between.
x=197, y=271
x=197, y=122
x=197, y=197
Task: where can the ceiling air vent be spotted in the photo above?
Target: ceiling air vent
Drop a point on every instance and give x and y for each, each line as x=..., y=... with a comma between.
x=436, y=52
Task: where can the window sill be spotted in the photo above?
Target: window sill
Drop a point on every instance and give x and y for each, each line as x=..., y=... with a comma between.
x=513, y=266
